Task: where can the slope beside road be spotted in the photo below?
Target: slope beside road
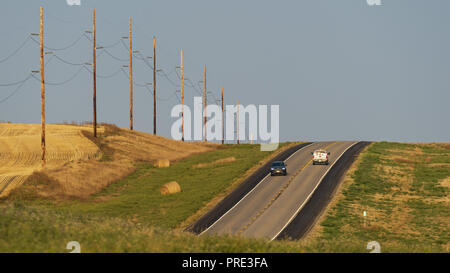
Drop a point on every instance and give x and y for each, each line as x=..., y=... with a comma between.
x=77, y=164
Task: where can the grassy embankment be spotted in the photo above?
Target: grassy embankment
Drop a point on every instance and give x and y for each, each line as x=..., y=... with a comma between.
x=403, y=188
x=134, y=201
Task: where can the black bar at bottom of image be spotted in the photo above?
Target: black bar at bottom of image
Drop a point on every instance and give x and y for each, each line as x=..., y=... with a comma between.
x=224, y=262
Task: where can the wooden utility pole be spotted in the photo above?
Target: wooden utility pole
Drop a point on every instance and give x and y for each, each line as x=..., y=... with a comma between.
x=94, y=65
x=237, y=123
x=131, y=76
x=204, y=106
x=42, y=89
x=223, y=127
x=154, y=85
x=182, y=98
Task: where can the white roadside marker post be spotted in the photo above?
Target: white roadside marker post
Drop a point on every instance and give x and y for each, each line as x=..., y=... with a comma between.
x=364, y=215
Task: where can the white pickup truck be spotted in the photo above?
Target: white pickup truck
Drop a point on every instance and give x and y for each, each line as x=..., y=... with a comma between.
x=320, y=157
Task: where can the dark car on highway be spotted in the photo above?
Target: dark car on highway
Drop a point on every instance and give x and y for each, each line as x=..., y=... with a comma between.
x=278, y=168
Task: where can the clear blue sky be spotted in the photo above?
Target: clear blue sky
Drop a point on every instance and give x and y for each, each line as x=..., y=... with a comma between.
x=340, y=70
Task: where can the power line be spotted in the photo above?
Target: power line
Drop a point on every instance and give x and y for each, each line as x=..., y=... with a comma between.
x=17, y=50
x=49, y=61
x=111, y=45
x=114, y=57
x=124, y=45
x=14, y=83
x=63, y=82
x=160, y=98
x=104, y=76
x=167, y=77
x=85, y=66
x=105, y=46
x=192, y=85
x=178, y=98
x=161, y=71
x=67, y=62
x=71, y=63
x=142, y=58
x=18, y=88
x=63, y=48
x=135, y=83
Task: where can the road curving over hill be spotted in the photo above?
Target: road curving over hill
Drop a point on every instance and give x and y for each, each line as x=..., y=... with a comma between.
x=276, y=207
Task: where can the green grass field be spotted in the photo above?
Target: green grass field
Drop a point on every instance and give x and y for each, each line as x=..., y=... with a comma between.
x=402, y=187
x=138, y=197
x=135, y=200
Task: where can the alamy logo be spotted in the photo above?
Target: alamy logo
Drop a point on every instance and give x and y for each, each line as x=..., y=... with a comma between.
x=374, y=2
x=234, y=123
x=73, y=2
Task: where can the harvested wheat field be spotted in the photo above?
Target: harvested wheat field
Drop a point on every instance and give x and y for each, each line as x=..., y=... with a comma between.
x=20, y=150
x=77, y=164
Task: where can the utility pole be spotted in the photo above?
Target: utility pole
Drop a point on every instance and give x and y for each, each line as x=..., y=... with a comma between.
x=131, y=76
x=237, y=123
x=42, y=89
x=154, y=85
x=94, y=64
x=223, y=127
x=204, y=106
x=182, y=98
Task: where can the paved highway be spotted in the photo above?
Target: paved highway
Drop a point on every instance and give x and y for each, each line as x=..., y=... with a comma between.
x=276, y=200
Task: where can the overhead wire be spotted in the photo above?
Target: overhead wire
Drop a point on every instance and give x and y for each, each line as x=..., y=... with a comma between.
x=135, y=83
x=110, y=46
x=158, y=97
x=104, y=76
x=49, y=61
x=16, y=90
x=14, y=83
x=63, y=82
x=16, y=50
x=62, y=48
x=113, y=56
x=67, y=62
x=83, y=66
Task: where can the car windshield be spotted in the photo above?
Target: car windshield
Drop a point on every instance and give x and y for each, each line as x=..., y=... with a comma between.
x=278, y=164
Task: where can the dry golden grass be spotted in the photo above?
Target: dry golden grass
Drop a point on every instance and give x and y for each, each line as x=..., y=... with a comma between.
x=20, y=151
x=214, y=163
x=76, y=167
x=445, y=182
x=139, y=146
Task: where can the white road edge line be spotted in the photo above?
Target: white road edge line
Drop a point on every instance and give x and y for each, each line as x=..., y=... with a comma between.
x=252, y=190
x=309, y=196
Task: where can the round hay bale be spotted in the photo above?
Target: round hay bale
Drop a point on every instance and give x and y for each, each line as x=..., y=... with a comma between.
x=170, y=188
x=162, y=163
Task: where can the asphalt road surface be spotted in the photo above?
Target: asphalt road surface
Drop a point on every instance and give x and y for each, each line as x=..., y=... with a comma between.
x=274, y=202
